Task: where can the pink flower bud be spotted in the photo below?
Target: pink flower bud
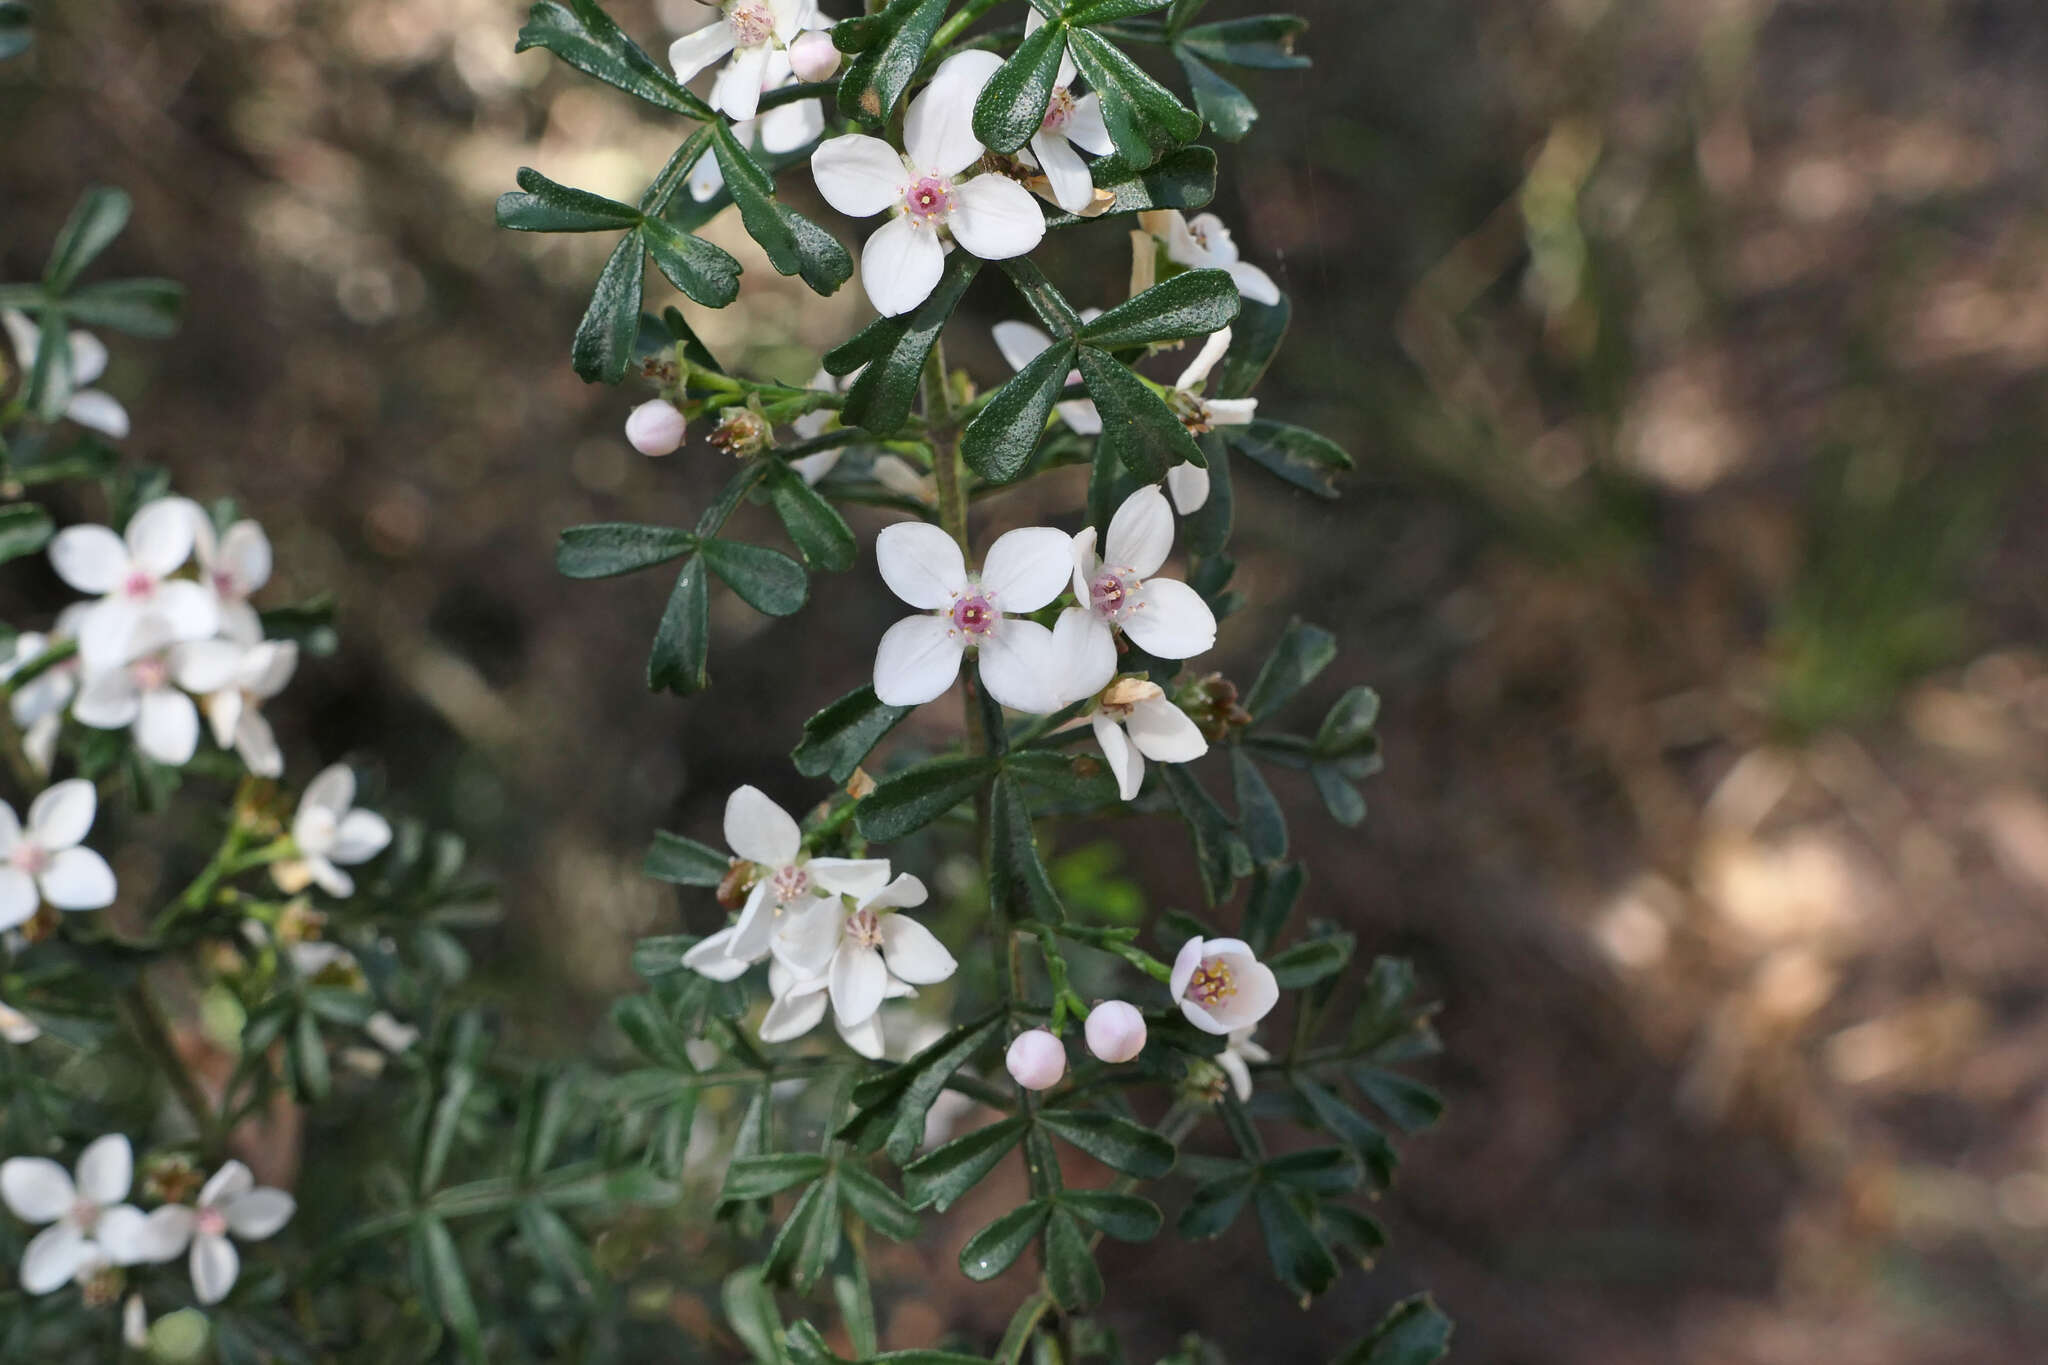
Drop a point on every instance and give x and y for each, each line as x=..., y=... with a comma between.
x=655, y=427
x=813, y=56
x=1115, y=1031
x=1036, y=1060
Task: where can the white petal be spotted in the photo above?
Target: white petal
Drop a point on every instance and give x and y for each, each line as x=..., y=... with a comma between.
x=706, y=179
x=259, y=1214
x=917, y=660
x=1240, y=1074
x=699, y=48
x=805, y=940
x=39, y=745
x=1141, y=533
x=1258, y=990
x=231, y=1181
x=223, y=711
x=1027, y=568
x=245, y=557
x=167, y=727
x=190, y=610
x=790, y=17
x=1184, y=964
x=105, y=1169
x=750, y=931
x=131, y=1237
x=736, y=90
x=17, y=1028
x=10, y=829
x=330, y=878
x=1212, y=240
x=1163, y=731
x=115, y=631
x=856, y=877
x=333, y=790
x=921, y=564
x=1189, y=484
x=267, y=667
x=1019, y=667
x=859, y=175
x=78, y=879
x=1073, y=189
x=1125, y=762
x=995, y=217
x=62, y=815
x=99, y=411
x=864, y=1038
x=938, y=129
x=914, y=953
x=902, y=893
x=1230, y=412
x=900, y=266
x=1019, y=342
x=859, y=981
x=1253, y=283
x=53, y=1257
x=361, y=836
x=89, y=558
x=1086, y=128
x=214, y=1268
x=160, y=535
x=792, y=1016
x=1205, y=360
x=206, y=665
x=88, y=358
x=36, y=1189
x=1080, y=416
x=1169, y=620
x=759, y=830
x=256, y=743
x=709, y=958
x=108, y=701
x=26, y=337
x=19, y=898
x=811, y=468
x=1084, y=654
x=790, y=126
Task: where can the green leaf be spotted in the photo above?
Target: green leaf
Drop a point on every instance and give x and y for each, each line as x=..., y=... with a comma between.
x=880, y=1207
x=1349, y=724
x=808, y=1238
x=1299, y=1257
x=1388, y=1023
x=24, y=529
x=940, y=1177
x=609, y=549
x=704, y=272
x=1136, y=423
x=309, y=1058
x=16, y=33
x=583, y=35
x=1415, y=1333
x=1307, y=963
x=97, y=220
x=651, y=1032
x=1092, y=12
x=603, y=347
x=557, y=1246
x=1191, y=304
x=1116, y=1142
x=761, y=1177
x=1214, y=1205
x=1144, y=118
x=905, y=802
x=1342, y=800
x=1227, y=110
x=1023, y=1327
x=682, y=641
x=1258, y=814
x=839, y=737
x=1412, y=1105
x=1254, y=340
x=672, y=858
x=1349, y=1233
x=1270, y=903
x=794, y=244
x=1263, y=40
x=822, y=260
x=894, y=351
x=1318, y=1170
x=1126, y=1217
x=1183, y=179
x=449, y=1286
x=894, y=1104
x=893, y=47
x=1018, y=882
x=146, y=308
x=1047, y=303
x=995, y=1248
x=767, y=580
x=1070, y=1270
x=540, y=205
x=750, y=1312
x=999, y=443
x=1304, y=652
x=1221, y=855
x=1299, y=456
x=1012, y=105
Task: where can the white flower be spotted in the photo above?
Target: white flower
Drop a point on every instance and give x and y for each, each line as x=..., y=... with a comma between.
x=249, y=676
x=1021, y=343
x=38, y=705
x=231, y=1203
x=1069, y=123
x=89, y=1226
x=1134, y=721
x=814, y=56
x=87, y=407
x=1119, y=591
x=1220, y=986
x=1189, y=483
x=784, y=128
x=235, y=565
x=800, y=1002
x=17, y=1028
x=1203, y=243
x=757, y=33
x=44, y=861
x=329, y=832
x=1115, y=1031
x=1235, y=1059
x=764, y=834
x=131, y=574
x=920, y=656
x=1036, y=1059
x=923, y=190
x=146, y=694
x=853, y=955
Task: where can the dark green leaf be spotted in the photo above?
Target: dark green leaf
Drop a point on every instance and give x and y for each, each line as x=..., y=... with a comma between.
x=1412, y=1105
x=1342, y=800
x=894, y=351
x=1144, y=118
x=553, y=1242
x=1349, y=724
x=1221, y=855
x=309, y=1058
x=941, y=1176
x=999, y=443
x=1136, y=423
x=702, y=271
x=1116, y=1142
x=1070, y=1270
x=1299, y=456
x=540, y=205
x=612, y=548
x=1191, y=304
x=1126, y=1217
x=583, y=35
x=1018, y=882
x=750, y=1312
x=1258, y=814
x=1299, y=1257
x=808, y=1239
x=449, y=1285
x=908, y=801
x=142, y=308
x=672, y=858
x=24, y=529
x=16, y=32
x=1092, y=12
x=794, y=244
x=682, y=641
x=1387, y=1018
x=822, y=260
x=1023, y=1327
x=839, y=737
x=1307, y=963
x=767, y=580
x=1263, y=40
x=1303, y=653
x=603, y=347
x=1350, y=1233
x=880, y=1207
x=1214, y=1206
x=1227, y=110
x=1415, y=1333
x=893, y=46
x=995, y=1248
x=1047, y=303
x=651, y=1032
x=1267, y=908
x=760, y=1177
x=893, y=1105
x=1254, y=340
x=97, y=220
x=1012, y=105
x=1183, y=179
x=1318, y=1170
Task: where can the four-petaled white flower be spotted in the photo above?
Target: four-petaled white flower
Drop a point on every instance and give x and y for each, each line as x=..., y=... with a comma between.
x=146, y=694
x=1134, y=721
x=1118, y=591
x=1189, y=482
x=253, y=674
x=853, y=956
x=1238, y=1054
x=88, y=407
x=765, y=835
x=330, y=833
x=1070, y=122
x=1203, y=243
x=1021, y=343
x=798, y=1002
x=44, y=861
x=89, y=1226
x=231, y=1205
x=924, y=191
x=17, y=1028
x=920, y=656
x=757, y=33
x=131, y=575
x=38, y=705
x=235, y=565
x=1221, y=986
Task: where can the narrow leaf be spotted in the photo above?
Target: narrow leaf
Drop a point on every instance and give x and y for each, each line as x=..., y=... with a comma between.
x=1070, y=1270
x=1192, y=304
x=1303, y=653
x=704, y=272
x=941, y=1176
x=995, y=1248
x=672, y=858
x=540, y=205
x=999, y=443
x=609, y=549
x=1299, y=456
x=908, y=801
x=1415, y=1333
x=1013, y=104
x=838, y=738
x=894, y=351
x=767, y=580
x=603, y=347
x=894, y=46
x=682, y=641
x=97, y=220
x=584, y=36
x=1144, y=118
x=1116, y=1142
x=1136, y=423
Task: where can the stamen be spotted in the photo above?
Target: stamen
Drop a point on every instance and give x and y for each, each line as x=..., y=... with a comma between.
x=928, y=199
x=1059, y=111
x=790, y=883
x=1213, y=983
x=752, y=23
x=152, y=672
x=1109, y=593
x=864, y=927
x=137, y=584
x=975, y=615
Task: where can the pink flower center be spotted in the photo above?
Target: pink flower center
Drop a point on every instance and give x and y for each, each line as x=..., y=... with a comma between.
x=1213, y=983
x=152, y=672
x=789, y=883
x=975, y=615
x=1110, y=593
x=224, y=584
x=928, y=199
x=211, y=1223
x=1059, y=111
x=752, y=23
x=864, y=927
x=137, y=584
x=85, y=1215
x=31, y=858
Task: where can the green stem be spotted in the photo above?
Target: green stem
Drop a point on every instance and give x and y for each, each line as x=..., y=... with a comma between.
x=153, y=1031
x=957, y=25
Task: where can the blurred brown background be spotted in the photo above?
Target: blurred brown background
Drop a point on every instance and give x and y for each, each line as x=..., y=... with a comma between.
x=1691, y=350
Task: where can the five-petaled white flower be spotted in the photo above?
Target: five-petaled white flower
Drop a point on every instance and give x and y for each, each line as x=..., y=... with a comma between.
x=1070, y=122
x=44, y=861
x=924, y=191
x=235, y=565
x=1221, y=986
x=88, y=407
x=920, y=656
x=757, y=33
x=1189, y=482
x=252, y=675
x=1021, y=343
x=765, y=835
x=1236, y=1059
x=146, y=694
x=1118, y=591
x=854, y=955
x=89, y=1226
x=131, y=574
x=1203, y=243
x=230, y=1204
x=1135, y=720
x=329, y=833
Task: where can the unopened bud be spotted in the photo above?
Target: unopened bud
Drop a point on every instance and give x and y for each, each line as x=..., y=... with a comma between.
x=814, y=56
x=1036, y=1060
x=655, y=427
x=1115, y=1031
x=742, y=432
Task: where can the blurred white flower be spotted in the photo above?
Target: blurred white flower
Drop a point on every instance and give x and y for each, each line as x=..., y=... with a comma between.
x=1221, y=986
x=38, y=705
x=88, y=407
x=44, y=863
x=757, y=34
x=1021, y=343
x=330, y=834
x=146, y=694
x=231, y=1205
x=234, y=708
x=1203, y=243
x=919, y=656
x=89, y=1226
x=235, y=565
x=17, y=1028
x=131, y=575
